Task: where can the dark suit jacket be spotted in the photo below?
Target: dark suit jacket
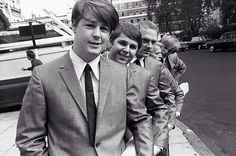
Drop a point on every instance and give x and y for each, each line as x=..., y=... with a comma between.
x=162, y=80
x=177, y=66
x=54, y=106
x=34, y=63
x=149, y=93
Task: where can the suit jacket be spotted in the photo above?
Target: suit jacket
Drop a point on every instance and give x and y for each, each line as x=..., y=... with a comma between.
x=178, y=98
x=54, y=106
x=149, y=93
x=162, y=81
x=177, y=66
x=164, y=78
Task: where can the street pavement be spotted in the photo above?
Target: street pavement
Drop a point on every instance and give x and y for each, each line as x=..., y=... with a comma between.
x=210, y=106
x=183, y=141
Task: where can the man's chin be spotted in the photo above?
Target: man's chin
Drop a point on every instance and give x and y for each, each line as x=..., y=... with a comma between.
x=146, y=54
x=122, y=61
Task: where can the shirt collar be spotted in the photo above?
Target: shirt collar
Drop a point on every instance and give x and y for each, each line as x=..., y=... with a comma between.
x=134, y=58
x=80, y=64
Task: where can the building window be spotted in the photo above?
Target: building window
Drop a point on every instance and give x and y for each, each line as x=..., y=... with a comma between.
x=123, y=14
x=138, y=20
x=118, y=6
x=122, y=6
x=143, y=3
x=131, y=21
x=144, y=19
x=136, y=4
x=130, y=5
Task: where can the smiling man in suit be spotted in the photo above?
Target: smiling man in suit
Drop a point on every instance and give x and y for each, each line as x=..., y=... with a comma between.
x=125, y=41
x=163, y=78
x=81, y=101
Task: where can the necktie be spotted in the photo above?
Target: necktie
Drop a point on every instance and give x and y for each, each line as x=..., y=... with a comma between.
x=167, y=63
x=90, y=103
x=137, y=62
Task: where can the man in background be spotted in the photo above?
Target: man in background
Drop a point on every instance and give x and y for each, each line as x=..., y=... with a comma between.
x=34, y=62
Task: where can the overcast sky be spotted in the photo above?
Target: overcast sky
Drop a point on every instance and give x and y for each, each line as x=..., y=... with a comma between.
x=35, y=6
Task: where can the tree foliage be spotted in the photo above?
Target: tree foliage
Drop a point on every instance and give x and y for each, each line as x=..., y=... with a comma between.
x=199, y=16
x=228, y=12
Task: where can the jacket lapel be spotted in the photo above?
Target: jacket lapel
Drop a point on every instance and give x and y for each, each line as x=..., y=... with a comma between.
x=170, y=59
x=104, y=84
x=69, y=77
x=147, y=63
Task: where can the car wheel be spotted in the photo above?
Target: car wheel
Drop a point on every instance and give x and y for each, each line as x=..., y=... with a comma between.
x=211, y=48
x=199, y=47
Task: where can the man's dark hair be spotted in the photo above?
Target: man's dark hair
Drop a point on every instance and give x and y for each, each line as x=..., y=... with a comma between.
x=129, y=30
x=30, y=54
x=102, y=10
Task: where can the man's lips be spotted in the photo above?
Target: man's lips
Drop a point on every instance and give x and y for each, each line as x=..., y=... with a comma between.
x=94, y=43
x=146, y=51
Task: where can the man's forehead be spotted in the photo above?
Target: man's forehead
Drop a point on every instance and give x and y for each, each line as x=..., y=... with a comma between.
x=147, y=32
x=89, y=17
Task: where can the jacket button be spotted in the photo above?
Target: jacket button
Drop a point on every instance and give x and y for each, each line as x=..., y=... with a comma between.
x=97, y=144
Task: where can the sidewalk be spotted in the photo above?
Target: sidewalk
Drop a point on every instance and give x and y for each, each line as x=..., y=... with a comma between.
x=183, y=142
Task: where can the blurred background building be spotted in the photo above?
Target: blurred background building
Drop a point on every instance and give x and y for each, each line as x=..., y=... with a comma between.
x=186, y=18
x=11, y=9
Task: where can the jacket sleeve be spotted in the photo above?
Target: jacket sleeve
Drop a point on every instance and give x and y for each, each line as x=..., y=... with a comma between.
x=179, y=96
x=31, y=130
x=139, y=122
x=168, y=97
x=180, y=68
x=158, y=110
x=178, y=100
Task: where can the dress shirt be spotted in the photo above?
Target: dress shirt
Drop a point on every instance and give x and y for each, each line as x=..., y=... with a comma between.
x=141, y=60
x=79, y=65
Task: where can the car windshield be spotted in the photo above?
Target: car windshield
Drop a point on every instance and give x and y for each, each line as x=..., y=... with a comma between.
x=225, y=36
x=198, y=38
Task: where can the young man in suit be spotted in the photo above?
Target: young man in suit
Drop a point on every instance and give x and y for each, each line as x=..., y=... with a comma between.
x=125, y=41
x=163, y=77
x=170, y=58
x=81, y=101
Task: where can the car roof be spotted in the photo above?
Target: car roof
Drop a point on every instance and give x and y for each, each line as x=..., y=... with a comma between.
x=230, y=32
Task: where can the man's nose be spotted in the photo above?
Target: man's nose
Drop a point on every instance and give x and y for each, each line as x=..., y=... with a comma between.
x=97, y=33
x=126, y=50
x=149, y=44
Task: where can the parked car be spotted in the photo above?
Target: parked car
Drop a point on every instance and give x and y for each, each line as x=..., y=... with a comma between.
x=226, y=41
x=197, y=42
x=183, y=46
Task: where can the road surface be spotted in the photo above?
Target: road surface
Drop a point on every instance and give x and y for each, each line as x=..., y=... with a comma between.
x=210, y=106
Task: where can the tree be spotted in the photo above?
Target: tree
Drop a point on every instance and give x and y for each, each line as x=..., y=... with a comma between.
x=151, y=4
x=228, y=12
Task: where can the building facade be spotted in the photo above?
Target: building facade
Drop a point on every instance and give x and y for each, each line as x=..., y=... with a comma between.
x=131, y=11
x=11, y=9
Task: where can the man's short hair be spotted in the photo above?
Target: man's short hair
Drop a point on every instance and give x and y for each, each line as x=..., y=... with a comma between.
x=129, y=30
x=102, y=10
x=147, y=25
x=30, y=54
x=170, y=41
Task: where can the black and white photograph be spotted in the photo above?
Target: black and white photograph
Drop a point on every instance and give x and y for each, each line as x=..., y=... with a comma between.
x=117, y=77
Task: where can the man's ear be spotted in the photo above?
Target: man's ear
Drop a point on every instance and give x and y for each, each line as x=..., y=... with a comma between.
x=73, y=28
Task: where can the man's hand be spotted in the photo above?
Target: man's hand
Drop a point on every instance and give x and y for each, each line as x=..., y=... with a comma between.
x=177, y=114
x=23, y=69
x=130, y=149
x=157, y=150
